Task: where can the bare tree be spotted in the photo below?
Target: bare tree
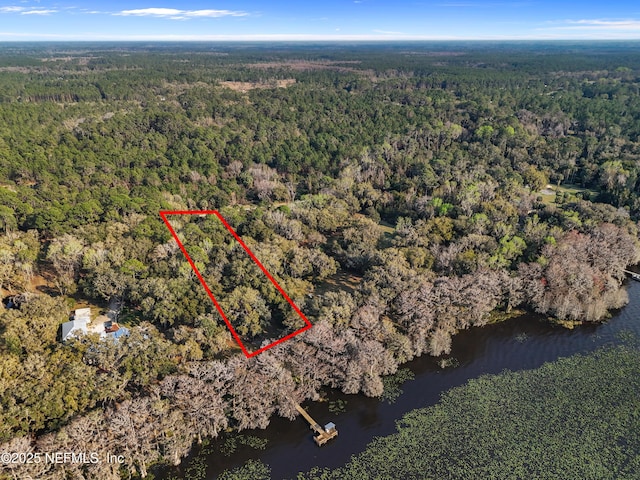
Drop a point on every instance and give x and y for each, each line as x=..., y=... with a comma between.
x=65, y=253
x=200, y=402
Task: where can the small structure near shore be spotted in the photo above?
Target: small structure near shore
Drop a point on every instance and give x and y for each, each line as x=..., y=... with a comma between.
x=634, y=275
x=323, y=434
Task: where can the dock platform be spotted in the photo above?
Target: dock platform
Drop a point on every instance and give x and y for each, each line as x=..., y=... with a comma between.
x=323, y=435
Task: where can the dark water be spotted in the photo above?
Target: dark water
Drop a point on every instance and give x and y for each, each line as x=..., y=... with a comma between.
x=521, y=343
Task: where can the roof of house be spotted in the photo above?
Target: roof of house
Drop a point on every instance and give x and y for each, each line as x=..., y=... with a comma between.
x=121, y=332
x=82, y=314
x=102, y=325
x=70, y=329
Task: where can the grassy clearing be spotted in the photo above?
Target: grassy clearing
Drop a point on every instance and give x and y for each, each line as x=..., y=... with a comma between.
x=550, y=193
x=342, y=280
x=387, y=228
x=573, y=189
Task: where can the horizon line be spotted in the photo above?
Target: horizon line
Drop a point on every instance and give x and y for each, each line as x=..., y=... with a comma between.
x=319, y=40
x=11, y=37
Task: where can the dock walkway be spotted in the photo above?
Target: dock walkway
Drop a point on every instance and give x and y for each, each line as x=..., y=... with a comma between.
x=323, y=434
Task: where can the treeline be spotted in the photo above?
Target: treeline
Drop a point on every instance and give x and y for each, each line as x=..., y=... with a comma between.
x=427, y=185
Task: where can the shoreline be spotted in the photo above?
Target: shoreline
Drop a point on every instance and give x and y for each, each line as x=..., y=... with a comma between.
x=165, y=470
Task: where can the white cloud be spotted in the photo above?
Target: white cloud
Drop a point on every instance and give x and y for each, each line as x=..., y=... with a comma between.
x=336, y=37
x=594, y=28
x=42, y=11
x=150, y=12
x=86, y=11
x=27, y=11
x=604, y=24
x=11, y=9
x=176, y=14
x=214, y=13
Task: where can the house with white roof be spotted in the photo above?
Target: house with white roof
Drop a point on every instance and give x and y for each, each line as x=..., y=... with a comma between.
x=78, y=325
x=81, y=324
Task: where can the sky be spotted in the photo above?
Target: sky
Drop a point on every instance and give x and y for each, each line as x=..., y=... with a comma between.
x=340, y=20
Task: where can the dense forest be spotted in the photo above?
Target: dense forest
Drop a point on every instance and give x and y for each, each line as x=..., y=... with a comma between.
x=450, y=183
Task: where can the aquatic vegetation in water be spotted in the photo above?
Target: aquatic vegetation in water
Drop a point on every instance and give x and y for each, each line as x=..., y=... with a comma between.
x=627, y=337
x=197, y=469
x=522, y=337
x=574, y=418
x=337, y=406
x=231, y=444
x=252, y=470
x=451, y=362
x=392, y=384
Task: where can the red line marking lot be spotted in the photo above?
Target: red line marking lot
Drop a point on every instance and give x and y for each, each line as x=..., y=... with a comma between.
x=308, y=325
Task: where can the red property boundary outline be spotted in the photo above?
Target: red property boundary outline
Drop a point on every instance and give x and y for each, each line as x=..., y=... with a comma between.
x=164, y=213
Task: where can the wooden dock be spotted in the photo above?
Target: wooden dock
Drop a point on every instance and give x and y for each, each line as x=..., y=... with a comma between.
x=634, y=275
x=323, y=435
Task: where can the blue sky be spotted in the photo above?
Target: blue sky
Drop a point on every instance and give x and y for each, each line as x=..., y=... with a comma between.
x=319, y=20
